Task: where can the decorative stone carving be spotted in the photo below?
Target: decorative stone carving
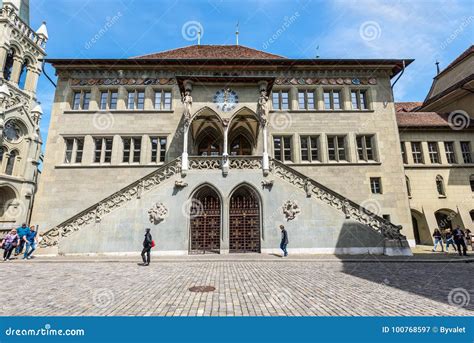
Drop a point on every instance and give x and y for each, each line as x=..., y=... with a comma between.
x=267, y=183
x=180, y=184
x=290, y=209
x=157, y=213
x=245, y=163
x=204, y=163
x=307, y=188
x=324, y=81
x=187, y=100
x=122, y=81
x=263, y=107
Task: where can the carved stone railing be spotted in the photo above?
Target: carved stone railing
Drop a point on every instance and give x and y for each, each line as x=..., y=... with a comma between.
x=336, y=200
x=204, y=162
x=8, y=12
x=111, y=203
x=245, y=162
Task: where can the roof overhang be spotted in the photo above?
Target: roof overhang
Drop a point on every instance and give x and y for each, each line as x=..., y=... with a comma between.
x=394, y=65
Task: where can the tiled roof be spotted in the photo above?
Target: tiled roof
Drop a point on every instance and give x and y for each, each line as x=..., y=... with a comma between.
x=466, y=53
x=407, y=106
x=427, y=120
x=212, y=52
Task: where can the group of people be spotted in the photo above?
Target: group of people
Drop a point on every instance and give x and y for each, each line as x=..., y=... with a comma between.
x=457, y=238
x=24, y=237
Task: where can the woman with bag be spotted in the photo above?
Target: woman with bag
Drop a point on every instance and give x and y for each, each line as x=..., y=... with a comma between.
x=10, y=242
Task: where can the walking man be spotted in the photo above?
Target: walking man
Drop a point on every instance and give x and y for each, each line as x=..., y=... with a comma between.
x=284, y=240
x=147, y=245
x=449, y=240
x=459, y=240
x=21, y=231
x=31, y=239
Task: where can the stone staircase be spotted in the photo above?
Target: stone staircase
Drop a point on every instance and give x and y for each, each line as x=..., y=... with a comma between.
x=312, y=188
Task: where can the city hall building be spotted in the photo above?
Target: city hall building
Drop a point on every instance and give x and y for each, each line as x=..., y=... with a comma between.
x=215, y=146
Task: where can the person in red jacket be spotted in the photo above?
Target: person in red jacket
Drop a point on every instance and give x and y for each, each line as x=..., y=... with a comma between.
x=147, y=245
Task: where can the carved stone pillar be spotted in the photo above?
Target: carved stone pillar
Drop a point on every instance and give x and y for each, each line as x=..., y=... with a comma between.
x=225, y=154
x=184, y=155
x=3, y=59
x=16, y=70
x=32, y=77
x=187, y=103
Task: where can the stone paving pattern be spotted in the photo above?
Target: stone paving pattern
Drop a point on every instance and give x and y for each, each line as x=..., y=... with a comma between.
x=243, y=288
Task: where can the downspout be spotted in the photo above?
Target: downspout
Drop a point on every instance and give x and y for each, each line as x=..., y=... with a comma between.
x=43, y=62
x=399, y=76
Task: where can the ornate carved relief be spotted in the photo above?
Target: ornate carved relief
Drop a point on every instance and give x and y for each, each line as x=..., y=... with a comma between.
x=325, y=81
x=290, y=209
x=157, y=213
x=122, y=81
x=267, y=183
x=180, y=184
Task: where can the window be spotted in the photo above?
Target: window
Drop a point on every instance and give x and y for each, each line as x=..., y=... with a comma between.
x=163, y=100
x=404, y=152
x=375, y=185
x=131, y=150
x=74, y=150
x=282, y=148
x=466, y=152
x=23, y=73
x=365, y=150
x=103, y=150
x=306, y=100
x=136, y=100
x=108, y=100
x=416, y=152
x=359, y=99
x=158, y=149
x=332, y=100
x=471, y=181
x=309, y=148
x=440, y=186
x=2, y=152
x=81, y=100
x=280, y=100
x=7, y=71
x=407, y=182
x=337, y=148
x=433, y=152
x=472, y=215
x=450, y=154
x=11, y=163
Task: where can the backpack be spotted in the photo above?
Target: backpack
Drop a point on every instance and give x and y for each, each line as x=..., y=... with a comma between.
x=152, y=244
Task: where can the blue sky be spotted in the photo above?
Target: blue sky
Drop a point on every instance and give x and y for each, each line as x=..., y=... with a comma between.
x=423, y=30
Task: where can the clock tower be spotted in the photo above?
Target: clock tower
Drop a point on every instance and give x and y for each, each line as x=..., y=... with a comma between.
x=21, y=52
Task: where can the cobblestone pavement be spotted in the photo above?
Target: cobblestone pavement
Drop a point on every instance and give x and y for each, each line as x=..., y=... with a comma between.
x=243, y=288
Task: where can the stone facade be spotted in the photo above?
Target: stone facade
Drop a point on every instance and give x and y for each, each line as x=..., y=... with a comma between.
x=21, y=50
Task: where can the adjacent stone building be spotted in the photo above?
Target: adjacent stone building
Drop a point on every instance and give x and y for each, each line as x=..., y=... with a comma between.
x=437, y=138
x=21, y=52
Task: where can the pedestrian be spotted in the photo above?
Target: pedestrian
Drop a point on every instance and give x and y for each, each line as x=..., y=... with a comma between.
x=449, y=240
x=31, y=239
x=9, y=242
x=469, y=239
x=284, y=241
x=21, y=231
x=459, y=237
x=437, y=240
x=147, y=245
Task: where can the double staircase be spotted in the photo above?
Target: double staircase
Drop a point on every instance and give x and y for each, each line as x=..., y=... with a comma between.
x=312, y=188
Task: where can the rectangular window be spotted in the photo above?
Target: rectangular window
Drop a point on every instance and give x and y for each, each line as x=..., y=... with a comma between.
x=332, y=99
x=103, y=150
x=359, y=99
x=131, y=149
x=158, y=149
x=103, y=100
x=365, y=150
x=140, y=100
x=417, y=152
x=466, y=152
x=69, y=149
x=450, y=154
x=137, y=148
x=433, y=152
x=74, y=149
x=306, y=100
x=162, y=100
x=86, y=99
x=131, y=101
x=404, y=152
x=76, y=103
x=375, y=185
x=127, y=144
x=280, y=100
x=113, y=100
x=282, y=148
x=309, y=148
x=336, y=148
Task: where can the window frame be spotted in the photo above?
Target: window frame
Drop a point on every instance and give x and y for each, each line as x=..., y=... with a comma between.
x=420, y=152
x=76, y=149
x=158, y=153
x=111, y=99
x=304, y=93
x=434, y=154
x=331, y=92
x=376, y=185
x=135, y=101
x=450, y=154
x=103, y=149
x=365, y=149
x=162, y=95
x=81, y=99
x=134, y=154
x=310, y=148
x=283, y=149
x=337, y=149
x=466, y=154
x=361, y=100
x=280, y=97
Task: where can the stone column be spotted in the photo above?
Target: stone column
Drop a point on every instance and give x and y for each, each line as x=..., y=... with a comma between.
x=3, y=58
x=16, y=70
x=184, y=155
x=263, y=85
x=32, y=77
x=225, y=154
x=188, y=88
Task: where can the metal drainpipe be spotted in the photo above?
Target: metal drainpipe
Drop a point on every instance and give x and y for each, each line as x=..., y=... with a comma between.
x=43, y=62
x=399, y=76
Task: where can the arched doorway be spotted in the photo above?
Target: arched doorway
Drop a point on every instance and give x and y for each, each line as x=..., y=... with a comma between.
x=205, y=221
x=244, y=221
x=421, y=230
x=240, y=146
x=448, y=219
x=7, y=204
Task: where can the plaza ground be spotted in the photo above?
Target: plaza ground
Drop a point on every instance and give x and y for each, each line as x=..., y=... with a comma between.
x=245, y=285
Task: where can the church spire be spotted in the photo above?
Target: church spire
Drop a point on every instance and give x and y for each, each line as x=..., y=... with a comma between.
x=237, y=34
